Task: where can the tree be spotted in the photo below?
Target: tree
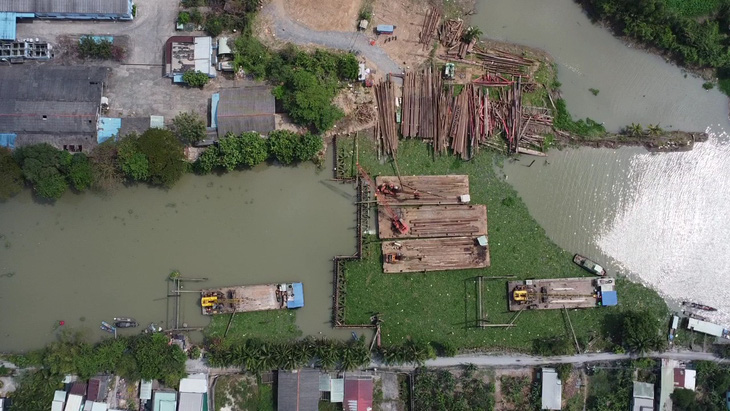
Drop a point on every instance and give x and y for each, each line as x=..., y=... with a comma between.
x=189, y=127
x=471, y=33
x=348, y=67
x=634, y=130
x=80, y=173
x=195, y=78
x=640, y=333
x=105, y=166
x=253, y=149
x=45, y=168
x=284, y=146
x=308, y=100
x=654, y=129
x=252, y=56
x=11, y=175
x=684, y=400
x=309, y=146
x=165, y=156
x=132, y=161
x=208, y=160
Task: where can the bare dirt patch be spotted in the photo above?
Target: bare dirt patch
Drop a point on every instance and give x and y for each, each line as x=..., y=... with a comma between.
x=321, y=15
x=402, y=46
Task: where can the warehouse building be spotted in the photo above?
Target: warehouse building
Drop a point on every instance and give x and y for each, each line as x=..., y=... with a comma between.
x=12, y=10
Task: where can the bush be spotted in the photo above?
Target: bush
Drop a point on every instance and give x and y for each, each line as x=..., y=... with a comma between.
x=80, y=173
x=195, y=78
x=708, y=85
x=246, y=150
x=283, y=146
x=105, y=166
x=189, y=127
x=45, y=167
x=213, y=25
x=90, y=48
x=156, y=157
x=583, y=128
x=183, y=17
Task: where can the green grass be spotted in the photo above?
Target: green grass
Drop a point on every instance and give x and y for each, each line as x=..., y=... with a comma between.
x=441, y=306
x=544, y=76
x=277, y=325
x=694, y=8
x=243, y=393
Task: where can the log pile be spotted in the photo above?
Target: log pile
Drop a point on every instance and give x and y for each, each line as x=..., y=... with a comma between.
x=429, y=27
x=364, y=113
x=451, y=31
x=386, y=131
x=496, y=61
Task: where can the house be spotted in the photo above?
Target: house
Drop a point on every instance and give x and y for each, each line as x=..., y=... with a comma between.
x=59, y=105
x=186, y=53
x=298, y=390
x=145, y=390
x=706, y=327
x=59, y=400
x=243, y=109
x=552, y=390
x=74, y=403
x=332, y=389
x=12, y=10
x=164, y=401
x=685, y=378
x=358, y=394
x=193, y=393
x=643, y=398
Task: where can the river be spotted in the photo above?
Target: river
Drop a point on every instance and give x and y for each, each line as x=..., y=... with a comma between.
x=90, y=258
x=660, y=218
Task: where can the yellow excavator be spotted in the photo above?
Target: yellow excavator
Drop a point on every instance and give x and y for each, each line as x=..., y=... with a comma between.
x=522, y=294
x=212, y=301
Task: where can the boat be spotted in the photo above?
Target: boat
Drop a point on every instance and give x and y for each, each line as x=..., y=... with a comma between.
x=125, y=324
x=107, y=327
x=589, y=265
x=698, y=306
x=127, y=319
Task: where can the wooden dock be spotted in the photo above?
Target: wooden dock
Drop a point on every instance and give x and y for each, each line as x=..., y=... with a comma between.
x=436, y=221
x=421, y=255
x=245, y=298
x=553, y=294
x=423, y=190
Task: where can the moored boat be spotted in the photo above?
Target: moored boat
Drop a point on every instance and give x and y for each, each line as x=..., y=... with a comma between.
x=697, y=306
x=127, y=319
x=107, y=327
x=125, y=324
x=589, y=265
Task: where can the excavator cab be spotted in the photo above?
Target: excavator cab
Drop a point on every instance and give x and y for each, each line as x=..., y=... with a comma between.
x=208, y=301
x=391, y=258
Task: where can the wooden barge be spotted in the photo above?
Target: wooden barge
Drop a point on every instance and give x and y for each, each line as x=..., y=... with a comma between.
x=421, y=190
x=435, y=254
x=559, y=293
x=431, y=221
x=245, y=298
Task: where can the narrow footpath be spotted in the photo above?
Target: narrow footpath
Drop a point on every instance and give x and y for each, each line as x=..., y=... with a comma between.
x=290, y=31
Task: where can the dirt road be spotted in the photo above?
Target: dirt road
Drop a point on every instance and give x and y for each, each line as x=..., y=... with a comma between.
x=290, y=31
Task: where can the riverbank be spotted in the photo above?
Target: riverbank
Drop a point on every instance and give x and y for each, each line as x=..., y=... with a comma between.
x=441, y=307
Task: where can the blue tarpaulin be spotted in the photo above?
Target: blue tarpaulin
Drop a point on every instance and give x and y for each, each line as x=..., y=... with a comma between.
x=177, y=78
x=107, y=127
x=609, y=298
x=385, y=28
x=214, y=110
x=8, y=140
x=7, y=25
x=298, y=294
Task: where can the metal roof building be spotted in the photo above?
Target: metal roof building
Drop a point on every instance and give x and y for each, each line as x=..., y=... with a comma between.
x=58, y=105
x=685, y=378
x=552, y=390
x=643, y=399
x=185, y=53
x=298, y=390
x=164, y=401
x=245, y=109
x=358, y=394
x=705, y=327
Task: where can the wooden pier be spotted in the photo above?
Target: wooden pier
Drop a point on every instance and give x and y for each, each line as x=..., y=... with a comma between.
x=436, y=221
x=553, y=294
x=423, y=190
x=436, y=254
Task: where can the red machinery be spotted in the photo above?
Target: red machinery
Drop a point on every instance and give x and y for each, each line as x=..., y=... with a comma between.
x=399, y=224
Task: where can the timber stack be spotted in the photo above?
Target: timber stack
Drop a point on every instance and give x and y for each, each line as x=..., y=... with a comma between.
x=451, y=31
x=429, y=27
x=386, y=131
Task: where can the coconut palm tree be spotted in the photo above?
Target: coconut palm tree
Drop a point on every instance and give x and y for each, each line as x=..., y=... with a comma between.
x=654, y=129
x=327, y=353
x=471, y=33
x=634, y=130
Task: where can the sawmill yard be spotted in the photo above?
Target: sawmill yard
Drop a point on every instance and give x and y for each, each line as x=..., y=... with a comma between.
x=441, y=306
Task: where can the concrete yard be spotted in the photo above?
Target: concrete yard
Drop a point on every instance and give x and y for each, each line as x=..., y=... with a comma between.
x=436, y=221
x=436, y=254
x=421, y=190
x=553, y=294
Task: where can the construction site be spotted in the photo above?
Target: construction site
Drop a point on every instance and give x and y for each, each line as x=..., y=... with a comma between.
x=561, y=293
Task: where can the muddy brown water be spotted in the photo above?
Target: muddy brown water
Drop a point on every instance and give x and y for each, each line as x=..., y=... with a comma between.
x=660, y=218
x=89, y=258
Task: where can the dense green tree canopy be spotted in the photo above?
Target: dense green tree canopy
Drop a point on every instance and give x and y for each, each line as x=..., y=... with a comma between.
x=80, y=173
x=45, y=167
x=11, y=175
x=195, y=78
x=189, y=127
x=308, y=100
x=640, y=333
x=156, y=157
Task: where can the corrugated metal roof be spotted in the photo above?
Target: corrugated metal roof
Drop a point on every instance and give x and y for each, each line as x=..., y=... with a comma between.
x=145, y=390
x=358, y=394
x=59, y=395
x=99, y=406
x=297, y=295
x=552, y=390
x=157, y=122
x=56, y=406
x=74, y=403
x=164, y=401
x=705, y=327
x=246, y=109
x=196, y=383
x=337, y=387
x=190, y=402
x=643, y=390
x=324, y=382
x=8, y=23
x=223, y=47
x=298, y=390
x=67, y=6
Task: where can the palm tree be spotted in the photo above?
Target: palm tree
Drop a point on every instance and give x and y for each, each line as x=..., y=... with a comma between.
x=654, y=129
x=327, y=353
x=471, y=33
x=634, y=130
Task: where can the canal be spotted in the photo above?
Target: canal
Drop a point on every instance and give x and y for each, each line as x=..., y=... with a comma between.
x=90, y=258
x=660, y=218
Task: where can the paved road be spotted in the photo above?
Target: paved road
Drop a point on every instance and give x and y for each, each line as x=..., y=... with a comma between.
x=287, y=30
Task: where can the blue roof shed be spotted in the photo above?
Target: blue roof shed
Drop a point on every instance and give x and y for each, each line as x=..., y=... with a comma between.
x=8, y=140
x=385, y=28
x=298, y=294
x=609, y=298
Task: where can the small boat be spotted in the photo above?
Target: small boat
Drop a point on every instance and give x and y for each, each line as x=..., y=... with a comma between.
x=108, y=327
x=354, y=336
x=698, y=306
x=105, y=328
x=127, y=319
x=588, y=265
x=125, y=324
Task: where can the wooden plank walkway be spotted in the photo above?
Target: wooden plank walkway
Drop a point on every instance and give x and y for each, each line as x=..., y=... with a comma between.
x=420, y=255
x=434, y=190
x=436, y=221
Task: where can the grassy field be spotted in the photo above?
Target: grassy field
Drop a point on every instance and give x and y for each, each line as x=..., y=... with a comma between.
x=441, y=306
x=277, y=325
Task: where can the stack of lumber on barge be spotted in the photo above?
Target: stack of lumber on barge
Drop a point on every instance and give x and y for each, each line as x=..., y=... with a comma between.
x=434, y=254
x=430, y=221
x=438, y=190
x=245, y=298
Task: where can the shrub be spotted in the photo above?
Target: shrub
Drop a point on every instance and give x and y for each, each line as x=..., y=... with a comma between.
x=195, y=78
x=11, y=175
x=88, y=47
x=283, y=146
x=708, y=85
x=45, y=167
x=183, y=17
x=80, y=173
x=213, y=25
x=189, y=127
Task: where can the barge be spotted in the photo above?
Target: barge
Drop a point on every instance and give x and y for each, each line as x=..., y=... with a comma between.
x=245, y=298
x=559, y=293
